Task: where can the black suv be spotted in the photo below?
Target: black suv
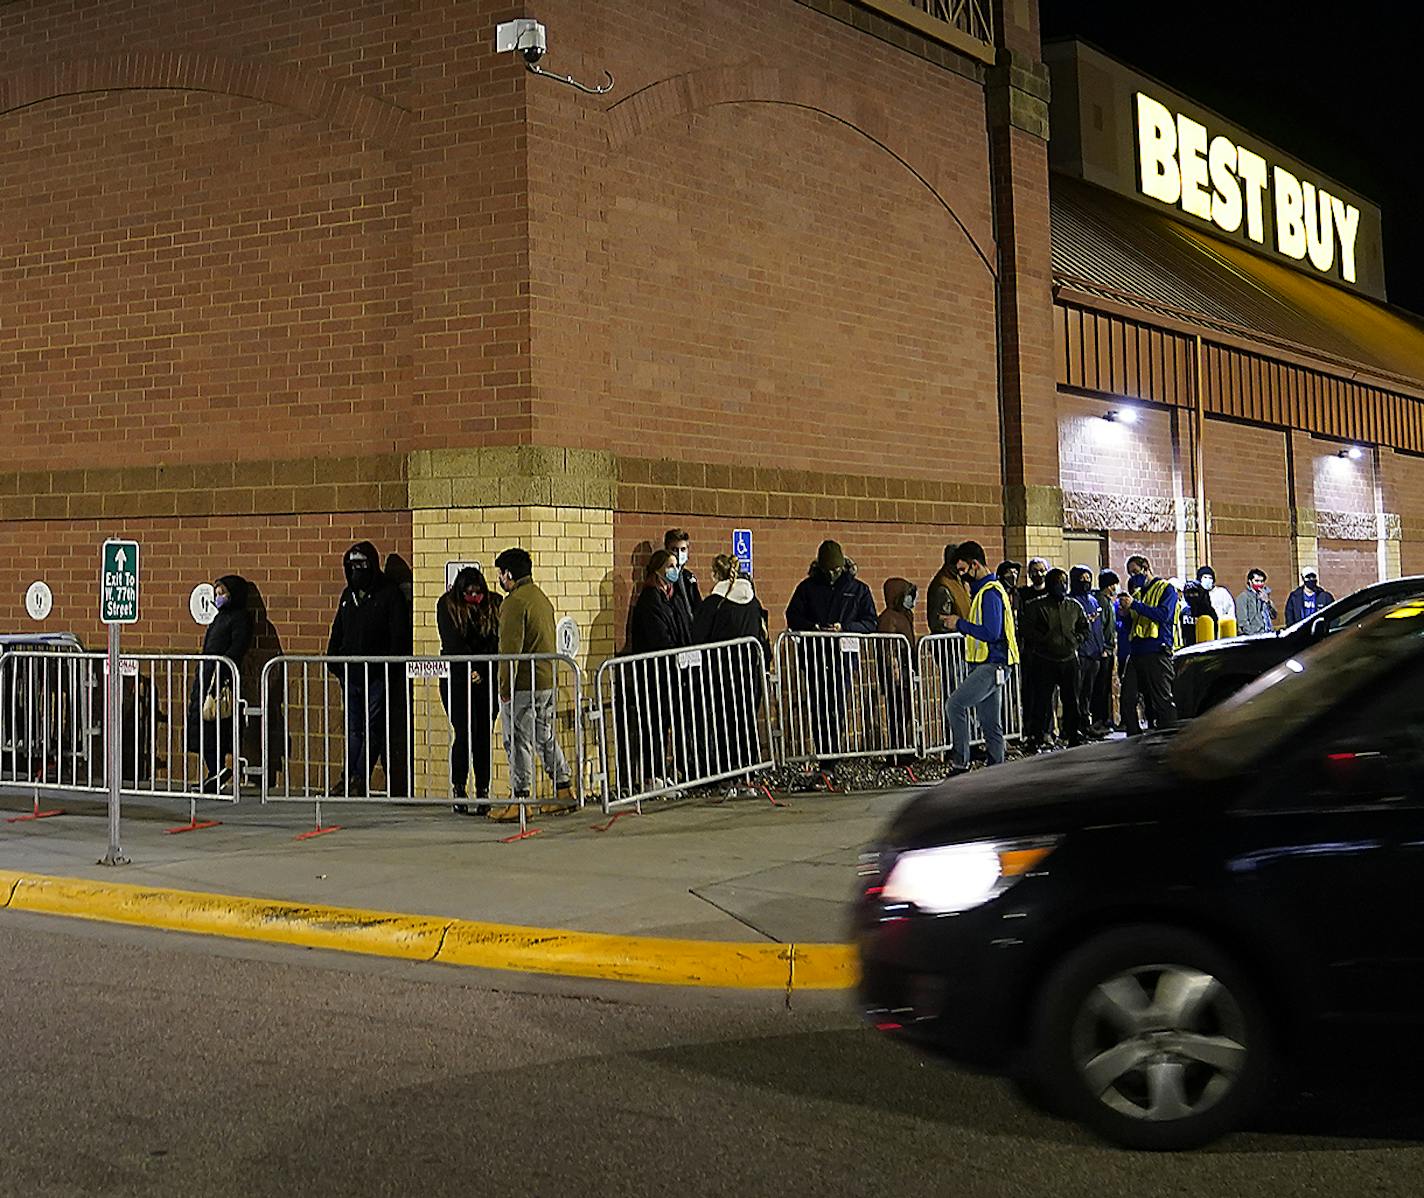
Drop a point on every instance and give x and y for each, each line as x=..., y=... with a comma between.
x=1215, y=670
x=1143, y=931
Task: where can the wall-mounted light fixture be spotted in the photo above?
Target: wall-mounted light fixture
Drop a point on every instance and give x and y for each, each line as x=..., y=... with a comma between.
x=1353, y=452
x=1122, y=416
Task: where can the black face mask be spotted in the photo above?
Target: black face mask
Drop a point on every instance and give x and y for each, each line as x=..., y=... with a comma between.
x=1059, y=590
x=362, y=577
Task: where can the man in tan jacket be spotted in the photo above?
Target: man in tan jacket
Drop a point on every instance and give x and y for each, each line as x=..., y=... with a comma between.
x=526, y=689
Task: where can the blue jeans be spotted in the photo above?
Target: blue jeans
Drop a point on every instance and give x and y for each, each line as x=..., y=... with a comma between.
x=981, y=691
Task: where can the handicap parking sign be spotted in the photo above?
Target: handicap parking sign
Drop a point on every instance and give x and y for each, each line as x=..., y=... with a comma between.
x=742, y=549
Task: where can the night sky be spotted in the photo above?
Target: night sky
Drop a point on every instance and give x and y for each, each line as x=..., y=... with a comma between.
x=1341, y=93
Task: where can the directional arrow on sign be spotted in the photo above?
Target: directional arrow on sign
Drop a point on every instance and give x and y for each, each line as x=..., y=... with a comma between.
x=122, y=558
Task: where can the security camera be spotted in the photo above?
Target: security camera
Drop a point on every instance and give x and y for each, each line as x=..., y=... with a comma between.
x=524, y=36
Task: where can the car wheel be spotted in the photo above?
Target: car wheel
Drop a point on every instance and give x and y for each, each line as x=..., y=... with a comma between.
x=1153, y=1038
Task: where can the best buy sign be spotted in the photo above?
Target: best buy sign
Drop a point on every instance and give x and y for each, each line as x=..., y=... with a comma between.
x=1223, y=182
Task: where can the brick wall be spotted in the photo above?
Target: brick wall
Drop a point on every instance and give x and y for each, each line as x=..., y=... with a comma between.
x=1341, y=484
x=1113, y=458
x=727, y=260
x=1402, y=482
x=294, y=561
x=1345, y=566
x=1244, y=464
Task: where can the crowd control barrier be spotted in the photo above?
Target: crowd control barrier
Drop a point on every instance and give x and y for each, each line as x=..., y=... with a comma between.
x=678, y=719
x=407, y=730
x=178, y=723
x=943, y=666
x=843, y=694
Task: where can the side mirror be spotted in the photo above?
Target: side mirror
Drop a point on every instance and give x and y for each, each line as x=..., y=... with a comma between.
x=1317, y=628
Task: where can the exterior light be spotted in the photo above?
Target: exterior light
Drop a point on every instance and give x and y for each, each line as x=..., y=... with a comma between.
x=1354, y=453
x=1122, y=416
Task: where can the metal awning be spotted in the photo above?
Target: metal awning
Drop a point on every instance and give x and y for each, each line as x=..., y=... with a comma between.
x=1122, y=251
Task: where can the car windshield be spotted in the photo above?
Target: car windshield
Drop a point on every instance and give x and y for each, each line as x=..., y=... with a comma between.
x=1260, y=717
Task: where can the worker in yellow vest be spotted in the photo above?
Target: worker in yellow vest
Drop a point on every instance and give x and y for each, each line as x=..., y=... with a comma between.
x=1149, y=614
x=990, y=648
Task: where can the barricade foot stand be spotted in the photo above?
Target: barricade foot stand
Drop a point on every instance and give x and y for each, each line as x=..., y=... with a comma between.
x=831, y=787
x=525, y=831
x=636, y=809
x=319, y=830
x=770, y=798
x=910, y=773
x=194, y=824
x=34, y=812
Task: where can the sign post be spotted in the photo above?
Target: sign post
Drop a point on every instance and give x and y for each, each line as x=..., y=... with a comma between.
x=118, y=605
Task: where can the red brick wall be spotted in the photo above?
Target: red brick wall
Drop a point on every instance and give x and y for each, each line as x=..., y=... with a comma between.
x=1341, y=484
x=746, y=273
x=784, y=549
x=295, y=561
x=1244, y=464
x=1402, y=483
x=1346, y=566
x=1113, y=458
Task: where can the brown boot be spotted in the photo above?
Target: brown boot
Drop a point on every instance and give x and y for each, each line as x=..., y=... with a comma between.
x=509, y=813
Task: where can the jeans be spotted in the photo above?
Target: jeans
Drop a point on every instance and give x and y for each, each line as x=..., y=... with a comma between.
x=527, y=721
x=982, y=691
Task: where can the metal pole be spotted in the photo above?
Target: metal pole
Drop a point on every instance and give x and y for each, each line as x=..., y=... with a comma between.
x=112, y=734
x=1198, y=456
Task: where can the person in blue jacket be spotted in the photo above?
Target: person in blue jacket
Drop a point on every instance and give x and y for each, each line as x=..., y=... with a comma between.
x=1149, y=613
x=1090, y=652
x=1307, y=599
x=830, y=599
x=991, y=646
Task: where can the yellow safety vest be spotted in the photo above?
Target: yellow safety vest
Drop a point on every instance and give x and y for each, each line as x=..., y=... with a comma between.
x=977, y=650
x=1143, y=629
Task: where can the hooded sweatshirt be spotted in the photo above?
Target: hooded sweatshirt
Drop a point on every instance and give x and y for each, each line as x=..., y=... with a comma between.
x=947, y=596
x=730, y=612
x=1082, y=594
x=372, y=619
x=897, y=617
x=230, y=633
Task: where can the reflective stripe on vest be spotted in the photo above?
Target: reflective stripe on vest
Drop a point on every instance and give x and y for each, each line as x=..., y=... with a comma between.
x=1144, y=629
x=976, y=650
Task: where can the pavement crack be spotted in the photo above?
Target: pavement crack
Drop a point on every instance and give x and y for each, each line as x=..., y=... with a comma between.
x=444, y=932
x=741, y=919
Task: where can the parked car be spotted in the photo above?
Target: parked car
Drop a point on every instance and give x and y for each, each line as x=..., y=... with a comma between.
x=1141, y=931
x=1212, y=671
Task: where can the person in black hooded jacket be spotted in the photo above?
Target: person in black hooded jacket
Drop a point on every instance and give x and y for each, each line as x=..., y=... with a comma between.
x=230, y=636
x=467, y=618
x=735, y=679
x=652, y=696
x=372, y=620
x=830, y=599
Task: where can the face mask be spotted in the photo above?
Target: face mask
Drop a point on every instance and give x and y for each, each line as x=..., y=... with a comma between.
x=506, y=581
x=220, y=600
x=1207, y=582
x=671, y=573
x=909, y=602
x=682, y=557
x=474, y=598
x=361, y=577
x=1310, y=584
x=1058, y=589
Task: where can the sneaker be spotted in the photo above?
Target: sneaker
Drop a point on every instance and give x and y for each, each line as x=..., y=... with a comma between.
x=509, y=813
x=482, y=803
x=956, y=770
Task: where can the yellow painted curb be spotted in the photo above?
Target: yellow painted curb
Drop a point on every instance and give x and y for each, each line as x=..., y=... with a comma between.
x=644, y=959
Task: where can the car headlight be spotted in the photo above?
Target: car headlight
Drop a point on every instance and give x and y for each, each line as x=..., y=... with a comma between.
x=957, y=877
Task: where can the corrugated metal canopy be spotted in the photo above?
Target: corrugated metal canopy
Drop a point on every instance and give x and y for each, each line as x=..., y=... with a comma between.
x=1129, y=253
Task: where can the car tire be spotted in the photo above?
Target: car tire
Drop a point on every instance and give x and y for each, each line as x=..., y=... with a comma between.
x=1153, y=1038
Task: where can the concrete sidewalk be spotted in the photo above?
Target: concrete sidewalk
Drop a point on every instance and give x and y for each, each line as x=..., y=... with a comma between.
x=742, y=870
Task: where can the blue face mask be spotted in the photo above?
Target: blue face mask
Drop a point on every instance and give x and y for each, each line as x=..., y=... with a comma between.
x=671, y=573
x=220, y=600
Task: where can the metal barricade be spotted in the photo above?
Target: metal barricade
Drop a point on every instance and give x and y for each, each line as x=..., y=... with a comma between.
x=843, y=694
x=429, y=724
x=943, y=666
x=678, y=719
x=172, y=741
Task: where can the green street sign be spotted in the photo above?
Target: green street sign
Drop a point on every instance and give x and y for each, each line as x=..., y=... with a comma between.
x=118, y=583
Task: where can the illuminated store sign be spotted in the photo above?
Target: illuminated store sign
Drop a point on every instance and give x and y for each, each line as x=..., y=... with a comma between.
x=1226, y=184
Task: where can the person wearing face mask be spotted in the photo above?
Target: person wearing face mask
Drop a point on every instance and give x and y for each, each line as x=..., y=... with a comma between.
x=898, y=618
x=1054, y=626
x=1255, y=613
x=830, y=599
x=685, y=591
x=732, y=612
x=990, y=647
x=1307, y=599
x=947, y=594
x=230, y=636
x=1149, y=614
x=467, y=618
x=526, y=690
x=372, y=620
x=1037, y=585
x=1090, y=652
x=658, y=623
x=1103, y=684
